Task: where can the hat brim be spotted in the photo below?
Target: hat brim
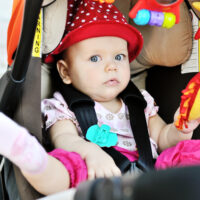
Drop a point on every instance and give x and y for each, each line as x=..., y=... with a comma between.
x=104, y=28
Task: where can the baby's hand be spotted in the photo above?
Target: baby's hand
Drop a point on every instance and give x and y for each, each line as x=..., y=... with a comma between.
x=100, y=164
x=189, y=126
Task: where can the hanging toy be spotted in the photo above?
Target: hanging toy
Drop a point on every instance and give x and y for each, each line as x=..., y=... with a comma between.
x=156, y=13
x=190, y=103
x=197, y=6
x=105, y=1
x=197, y=35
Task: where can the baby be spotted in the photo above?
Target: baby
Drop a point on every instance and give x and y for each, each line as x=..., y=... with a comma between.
x=95, y=53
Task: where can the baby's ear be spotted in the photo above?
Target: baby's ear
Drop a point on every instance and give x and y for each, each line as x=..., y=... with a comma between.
x=63, y=70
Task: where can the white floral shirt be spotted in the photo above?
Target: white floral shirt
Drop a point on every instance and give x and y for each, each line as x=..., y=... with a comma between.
x=55, y=109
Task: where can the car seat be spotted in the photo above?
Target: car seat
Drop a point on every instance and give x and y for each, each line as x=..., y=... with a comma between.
x=18, y=83
x=28, y=109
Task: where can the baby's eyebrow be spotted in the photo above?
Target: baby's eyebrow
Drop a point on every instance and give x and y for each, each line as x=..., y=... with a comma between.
x=124, y=51
x=93, y=54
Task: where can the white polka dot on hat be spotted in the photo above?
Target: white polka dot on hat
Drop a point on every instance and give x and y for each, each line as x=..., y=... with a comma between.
x=88, y=18
x=90, y=11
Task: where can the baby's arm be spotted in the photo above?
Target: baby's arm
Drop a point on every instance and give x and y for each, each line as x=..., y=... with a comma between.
x=167, y=135
x=64, y=135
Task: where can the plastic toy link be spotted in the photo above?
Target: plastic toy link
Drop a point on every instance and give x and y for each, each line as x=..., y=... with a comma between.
x=190, y=102
x=105, y=1
x=163, y=13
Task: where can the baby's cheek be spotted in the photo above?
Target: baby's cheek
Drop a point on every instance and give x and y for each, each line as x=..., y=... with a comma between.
x=94, y=76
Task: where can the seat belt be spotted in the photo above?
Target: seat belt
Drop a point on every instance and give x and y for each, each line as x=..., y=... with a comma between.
x=83, y=108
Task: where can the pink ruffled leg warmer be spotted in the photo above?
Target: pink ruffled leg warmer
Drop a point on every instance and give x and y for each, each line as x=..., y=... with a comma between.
x=73, y=163
x=185, y=153
x=20, y=147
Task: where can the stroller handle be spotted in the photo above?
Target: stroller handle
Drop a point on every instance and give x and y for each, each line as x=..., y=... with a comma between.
x=11, y=83
x=23, y=53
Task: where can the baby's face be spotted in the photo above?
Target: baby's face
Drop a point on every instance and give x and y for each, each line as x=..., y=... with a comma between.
x=99, y=67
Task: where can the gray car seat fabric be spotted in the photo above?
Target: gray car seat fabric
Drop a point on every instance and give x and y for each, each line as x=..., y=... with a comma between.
x=54, y=19
x=28, y=112
x=10, y=181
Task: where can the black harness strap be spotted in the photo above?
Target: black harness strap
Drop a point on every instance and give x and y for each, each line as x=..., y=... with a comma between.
x=83, y=108
x=136, y=105
x=120, y=160
x=81, y=105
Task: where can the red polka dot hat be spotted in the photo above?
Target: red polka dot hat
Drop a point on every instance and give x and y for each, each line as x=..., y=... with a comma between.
x=87, y=19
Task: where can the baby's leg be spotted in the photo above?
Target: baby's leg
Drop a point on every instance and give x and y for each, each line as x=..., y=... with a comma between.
x=44, y=172
x=20, y=147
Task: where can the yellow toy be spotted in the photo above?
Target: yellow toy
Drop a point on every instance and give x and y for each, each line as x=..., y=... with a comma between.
x=190, y=102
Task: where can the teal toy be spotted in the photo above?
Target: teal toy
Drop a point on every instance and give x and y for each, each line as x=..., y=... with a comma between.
x=143, y=17
x=101, y=136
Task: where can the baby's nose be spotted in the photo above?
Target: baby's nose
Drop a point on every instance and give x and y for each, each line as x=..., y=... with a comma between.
x=111, y=67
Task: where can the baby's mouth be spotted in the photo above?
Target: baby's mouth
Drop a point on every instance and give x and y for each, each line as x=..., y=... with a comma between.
x=112, y=82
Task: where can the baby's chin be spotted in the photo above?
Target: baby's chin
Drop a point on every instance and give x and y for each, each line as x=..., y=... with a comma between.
x=106, y=94
x=104, y=98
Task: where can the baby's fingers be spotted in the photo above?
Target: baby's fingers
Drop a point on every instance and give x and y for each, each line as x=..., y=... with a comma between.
x=191, y=125
x=108, y=173
x=116, y=171
x=91, y=174
x=99, y=173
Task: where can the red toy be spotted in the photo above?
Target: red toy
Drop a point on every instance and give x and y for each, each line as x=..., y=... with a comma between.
x=154, y=5
x=190, y=102
x=197, y=6
x=197, y=35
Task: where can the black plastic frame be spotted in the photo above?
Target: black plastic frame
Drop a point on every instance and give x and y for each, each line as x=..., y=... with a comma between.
x=11, y=83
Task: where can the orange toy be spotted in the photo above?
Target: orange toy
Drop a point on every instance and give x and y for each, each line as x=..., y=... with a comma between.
x=190, y=102
x=105, y=1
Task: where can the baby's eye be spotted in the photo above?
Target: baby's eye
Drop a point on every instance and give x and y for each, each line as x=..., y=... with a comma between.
x=95, y=58
x=119, y=57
